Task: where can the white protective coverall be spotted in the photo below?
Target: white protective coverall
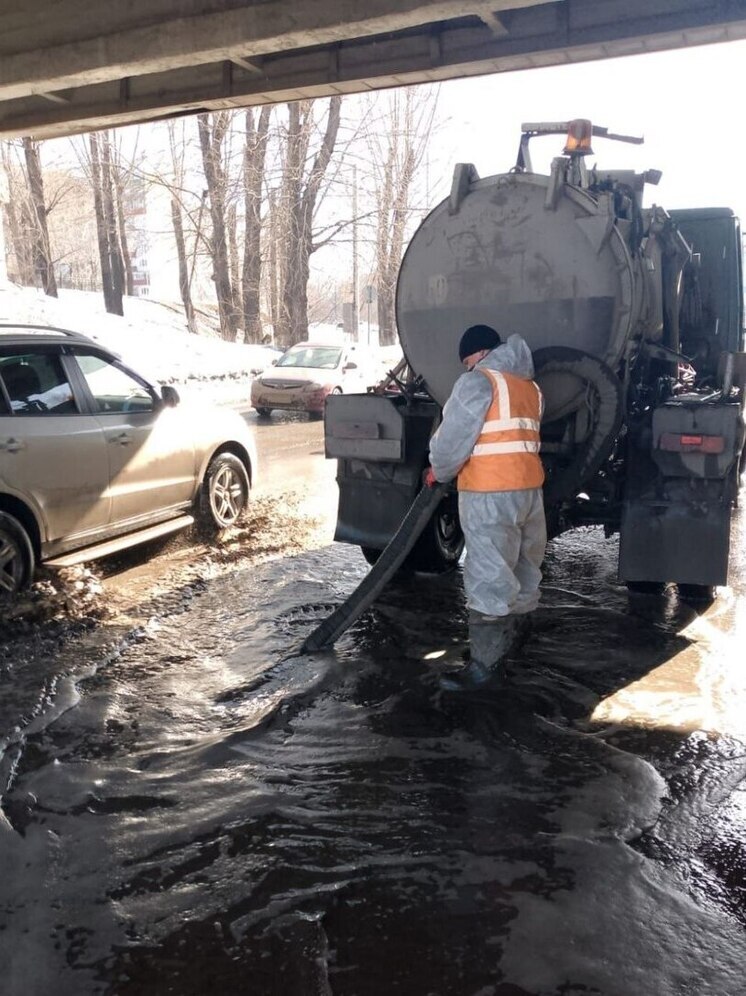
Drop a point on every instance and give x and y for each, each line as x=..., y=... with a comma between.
x=505, y=531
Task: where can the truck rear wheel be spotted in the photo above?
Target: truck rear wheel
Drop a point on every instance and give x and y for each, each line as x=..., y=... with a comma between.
x=441, y=544
x=439, y=548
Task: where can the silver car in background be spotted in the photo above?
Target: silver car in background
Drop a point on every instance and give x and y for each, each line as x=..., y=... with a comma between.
x=94, y=458
x=307, y=373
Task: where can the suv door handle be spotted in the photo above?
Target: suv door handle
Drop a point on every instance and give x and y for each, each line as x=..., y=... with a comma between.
x=12, y=445
x=123, y=439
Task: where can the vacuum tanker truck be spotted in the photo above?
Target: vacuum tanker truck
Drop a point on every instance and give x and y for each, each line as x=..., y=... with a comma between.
x=634, y=315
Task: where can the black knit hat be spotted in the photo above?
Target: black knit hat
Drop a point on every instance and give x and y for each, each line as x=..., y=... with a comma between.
x=477, y=337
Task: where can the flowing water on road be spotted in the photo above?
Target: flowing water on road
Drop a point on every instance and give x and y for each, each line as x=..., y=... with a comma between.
x=190, y=810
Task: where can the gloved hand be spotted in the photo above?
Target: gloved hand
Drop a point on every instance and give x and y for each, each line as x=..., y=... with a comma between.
x=428, y=478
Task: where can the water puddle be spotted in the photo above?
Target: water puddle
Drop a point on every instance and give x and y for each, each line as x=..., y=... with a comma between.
x=213, y=814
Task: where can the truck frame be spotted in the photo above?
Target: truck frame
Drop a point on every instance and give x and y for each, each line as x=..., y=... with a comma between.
x=643, y=432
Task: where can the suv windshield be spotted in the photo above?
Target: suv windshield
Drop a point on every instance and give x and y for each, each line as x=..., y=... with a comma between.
x=321, y=357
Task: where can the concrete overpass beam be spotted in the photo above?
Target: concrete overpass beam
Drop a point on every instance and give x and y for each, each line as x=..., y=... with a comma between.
x=423, y=42
x=136, y=44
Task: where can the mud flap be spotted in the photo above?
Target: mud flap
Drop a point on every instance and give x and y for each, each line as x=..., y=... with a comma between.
x=391, y=559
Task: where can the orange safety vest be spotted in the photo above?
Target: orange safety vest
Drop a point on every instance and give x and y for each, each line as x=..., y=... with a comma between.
x=506, y=454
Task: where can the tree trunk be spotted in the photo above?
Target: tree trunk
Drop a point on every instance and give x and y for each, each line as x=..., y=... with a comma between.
x=211, y=140
x=254, y=162
x=129, y=283
x=300, y=203
x=295, y=149
x=185, y=283
x=384, y=296
x=101, y=230
x=112, y=235
x=275, y=262
x=231, y=224
x=42, y=254
x=295, y=291
x=184, y=288
x=410, y=116
x=386, y=324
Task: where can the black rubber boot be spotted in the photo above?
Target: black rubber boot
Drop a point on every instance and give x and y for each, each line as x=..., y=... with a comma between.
x=490, y=638
x=470, y=678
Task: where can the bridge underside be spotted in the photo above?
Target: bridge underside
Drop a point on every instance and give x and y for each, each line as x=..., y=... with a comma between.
x=69, y=66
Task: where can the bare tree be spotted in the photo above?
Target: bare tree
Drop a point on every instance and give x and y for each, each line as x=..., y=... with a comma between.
x=231, y=228
x=177, y=220
x=396, y=155
x=121, y=178
x=101, y=233
x=110, y=218
x=274, y=277
x=253, y=174
x=112, y=268
x=212, y=130
x=31, y=203
x=20, y=221
x=300, y=192
x=42, y=255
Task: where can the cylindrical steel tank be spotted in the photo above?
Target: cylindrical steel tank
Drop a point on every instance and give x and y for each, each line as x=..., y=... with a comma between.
x=524, y=254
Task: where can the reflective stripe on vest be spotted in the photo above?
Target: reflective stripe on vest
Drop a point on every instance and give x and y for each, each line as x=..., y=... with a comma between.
x=506, y=454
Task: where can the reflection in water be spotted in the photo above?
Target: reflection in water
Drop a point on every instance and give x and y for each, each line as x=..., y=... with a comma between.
x=214, y=815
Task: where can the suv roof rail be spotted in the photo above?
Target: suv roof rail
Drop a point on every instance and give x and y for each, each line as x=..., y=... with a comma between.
x=43, y=329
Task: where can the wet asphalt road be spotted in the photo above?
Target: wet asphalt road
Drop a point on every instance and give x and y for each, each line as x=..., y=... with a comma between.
x=188, y=809
x=290, y=448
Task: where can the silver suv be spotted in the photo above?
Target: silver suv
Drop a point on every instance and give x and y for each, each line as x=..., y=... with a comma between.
x=94, y=458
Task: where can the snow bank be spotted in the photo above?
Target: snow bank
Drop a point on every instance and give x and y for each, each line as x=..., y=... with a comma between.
x=152, y=338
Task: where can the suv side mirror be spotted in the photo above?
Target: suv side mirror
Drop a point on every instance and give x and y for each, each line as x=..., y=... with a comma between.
x=170, y=396
x=349, y=366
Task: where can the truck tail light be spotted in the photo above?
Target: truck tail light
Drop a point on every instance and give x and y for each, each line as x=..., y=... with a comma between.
x=674, y=442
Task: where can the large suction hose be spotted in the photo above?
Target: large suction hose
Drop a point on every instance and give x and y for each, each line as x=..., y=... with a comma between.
x=590, y=455
x=420, y=513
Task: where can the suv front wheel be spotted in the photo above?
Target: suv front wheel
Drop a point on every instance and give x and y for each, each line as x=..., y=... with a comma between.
x=17, y=559
x=225, y=492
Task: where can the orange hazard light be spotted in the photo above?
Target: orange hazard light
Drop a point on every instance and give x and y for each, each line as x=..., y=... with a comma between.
x=579, y=134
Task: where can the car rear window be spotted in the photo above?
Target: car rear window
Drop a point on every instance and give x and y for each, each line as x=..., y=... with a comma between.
x=36, y=384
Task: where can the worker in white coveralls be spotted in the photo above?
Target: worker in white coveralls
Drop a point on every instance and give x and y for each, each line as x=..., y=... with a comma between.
x=489, y=440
